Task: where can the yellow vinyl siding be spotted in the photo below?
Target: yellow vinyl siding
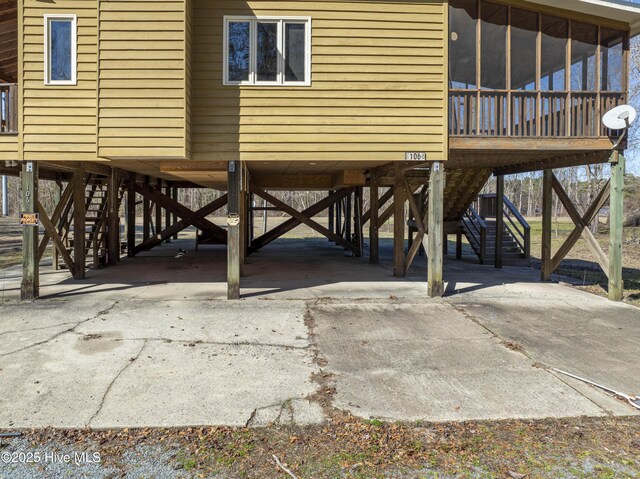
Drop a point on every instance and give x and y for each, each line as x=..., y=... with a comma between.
x=378, y=85
x=58, y=122
x=9, y=148
x=143, y=79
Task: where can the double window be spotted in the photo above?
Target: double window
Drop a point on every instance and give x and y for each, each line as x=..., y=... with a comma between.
x=60, y=49
x=267, y=51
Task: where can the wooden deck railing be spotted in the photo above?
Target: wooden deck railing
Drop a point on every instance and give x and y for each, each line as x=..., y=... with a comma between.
x=502, y=113
x=8, y=108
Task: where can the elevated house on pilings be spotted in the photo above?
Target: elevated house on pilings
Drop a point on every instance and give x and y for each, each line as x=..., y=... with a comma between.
x=418, y=101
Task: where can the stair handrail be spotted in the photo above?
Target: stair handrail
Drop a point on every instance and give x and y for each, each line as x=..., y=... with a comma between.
x=524, y=231
x=480, y=226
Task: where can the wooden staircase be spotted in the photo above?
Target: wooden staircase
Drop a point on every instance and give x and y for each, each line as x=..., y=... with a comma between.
x=480, y=232
x=96, y=220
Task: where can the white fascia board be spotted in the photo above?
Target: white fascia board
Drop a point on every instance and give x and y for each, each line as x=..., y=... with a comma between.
x=619, y=10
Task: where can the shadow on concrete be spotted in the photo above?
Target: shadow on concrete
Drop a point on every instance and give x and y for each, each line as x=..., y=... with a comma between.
x=287, y=268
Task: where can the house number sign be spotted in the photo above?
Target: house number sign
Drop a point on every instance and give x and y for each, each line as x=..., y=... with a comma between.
x=415, y=156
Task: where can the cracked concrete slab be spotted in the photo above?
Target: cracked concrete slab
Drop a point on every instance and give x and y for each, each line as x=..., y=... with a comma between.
x=429, y=362
x=203, y=384
x=59, y=383
x=392, y=353
x=268, y=323
x=573, y=331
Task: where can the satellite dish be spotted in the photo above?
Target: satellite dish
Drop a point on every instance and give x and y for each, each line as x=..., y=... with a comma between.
x=620, y=117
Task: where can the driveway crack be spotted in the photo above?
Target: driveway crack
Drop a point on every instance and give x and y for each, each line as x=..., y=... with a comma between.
x=104, y=312
x=122, y=370
x=519, y=349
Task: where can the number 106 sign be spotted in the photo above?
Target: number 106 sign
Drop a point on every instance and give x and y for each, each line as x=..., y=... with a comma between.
x=415, y=156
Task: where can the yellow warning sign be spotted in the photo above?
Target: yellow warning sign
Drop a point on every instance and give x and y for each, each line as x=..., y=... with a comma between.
x=29, y=219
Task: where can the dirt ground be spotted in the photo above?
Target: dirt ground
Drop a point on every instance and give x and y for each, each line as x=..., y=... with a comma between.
x=352, y=448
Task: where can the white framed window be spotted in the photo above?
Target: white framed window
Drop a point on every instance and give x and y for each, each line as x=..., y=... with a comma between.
x=267, y=51
x=60, y=47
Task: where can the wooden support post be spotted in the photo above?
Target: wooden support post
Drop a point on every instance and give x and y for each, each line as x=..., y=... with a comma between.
x=79, y=224
x=331, y=224
x=459, y=244
x=174, y=196
x=499, y=219
x=167, y=213
x=374, y=230
x=348, y=217
x=158, y=211
x=359, y=200
x=616, y=285
x=547, y=212
x=57, y=197
x=244, y=194
x=435, y=231
x=233, y=231
x=113, y=218
x=398, y=224
x=131, y=216
x=146, y=214
x=30, y=287
x=339, y=217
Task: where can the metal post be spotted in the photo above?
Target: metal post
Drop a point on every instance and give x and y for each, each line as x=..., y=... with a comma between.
x=30, y=287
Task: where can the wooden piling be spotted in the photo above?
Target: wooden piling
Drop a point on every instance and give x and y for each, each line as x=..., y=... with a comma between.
x=131, y=216
x=158, y=212
x=435, y=231
x=146, y=214
x=57, y=197
x=499, y=220
x=547, y=207
x=374, y=232
x=113, y=218
x=30, y=286
x=616, y=219
x=167, y=213
x=79, y=222
x=174, y=196
x=332, y=218
x=233, y=230
x=398, y=224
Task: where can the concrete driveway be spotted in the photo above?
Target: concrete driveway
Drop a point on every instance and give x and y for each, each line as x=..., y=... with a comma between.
x=150, y=342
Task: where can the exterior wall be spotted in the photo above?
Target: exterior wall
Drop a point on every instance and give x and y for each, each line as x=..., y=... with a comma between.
x=143, y=79
x=8, y=147
x=378, y=85
x=58, y=122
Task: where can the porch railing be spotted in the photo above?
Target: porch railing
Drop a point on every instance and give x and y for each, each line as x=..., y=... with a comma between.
x=8, y=108
x=503, y=113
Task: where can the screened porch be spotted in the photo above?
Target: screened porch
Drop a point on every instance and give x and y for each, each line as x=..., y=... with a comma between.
x=516, y=72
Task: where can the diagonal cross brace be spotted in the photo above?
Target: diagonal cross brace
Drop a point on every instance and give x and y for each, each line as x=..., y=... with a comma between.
x=291, y=223
x=183, y=212
x=61, y=211
x=181, y=225
x=382, y=201
x=51, y=230
x=304, y=219
x=582, y=225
